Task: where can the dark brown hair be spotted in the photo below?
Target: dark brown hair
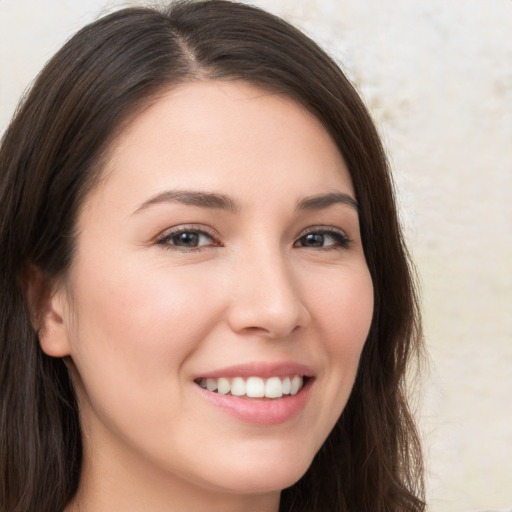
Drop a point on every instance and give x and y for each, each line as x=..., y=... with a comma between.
x=50, y=157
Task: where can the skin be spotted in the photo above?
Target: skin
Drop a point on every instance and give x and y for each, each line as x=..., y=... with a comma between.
x=138, y=319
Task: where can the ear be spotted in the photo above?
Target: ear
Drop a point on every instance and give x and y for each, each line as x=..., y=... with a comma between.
x=49, y=311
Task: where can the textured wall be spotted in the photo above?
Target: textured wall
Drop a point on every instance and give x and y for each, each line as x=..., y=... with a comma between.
x=437, y=76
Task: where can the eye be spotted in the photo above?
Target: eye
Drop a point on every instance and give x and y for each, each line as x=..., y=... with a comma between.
x=323, y=239
x=187, y=238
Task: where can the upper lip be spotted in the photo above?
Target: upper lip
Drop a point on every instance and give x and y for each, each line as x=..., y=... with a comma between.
x=260, y=369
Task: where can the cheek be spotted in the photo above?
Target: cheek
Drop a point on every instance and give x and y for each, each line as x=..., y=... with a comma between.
x=135, y=330
x=133, y=333
x=142, y=308
x=344, y=310
x=344, y=306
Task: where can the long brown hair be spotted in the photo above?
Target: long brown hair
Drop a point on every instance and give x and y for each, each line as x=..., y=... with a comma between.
x=50, y=157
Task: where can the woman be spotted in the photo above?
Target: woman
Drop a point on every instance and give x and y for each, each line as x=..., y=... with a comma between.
x=206, y=300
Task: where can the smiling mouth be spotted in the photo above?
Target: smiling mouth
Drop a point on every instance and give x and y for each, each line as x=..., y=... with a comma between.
x=254, y=387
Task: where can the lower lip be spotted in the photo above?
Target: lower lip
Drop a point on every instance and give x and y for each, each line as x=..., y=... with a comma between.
x=258, y=411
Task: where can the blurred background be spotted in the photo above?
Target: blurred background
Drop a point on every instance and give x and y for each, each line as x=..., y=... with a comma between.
x=437, y=77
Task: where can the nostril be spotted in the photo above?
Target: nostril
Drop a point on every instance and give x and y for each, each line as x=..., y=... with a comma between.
x=262, y=319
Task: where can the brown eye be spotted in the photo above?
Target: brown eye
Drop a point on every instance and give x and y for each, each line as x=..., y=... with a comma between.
x=323, y=239
x=187, y=239
x=312, y=240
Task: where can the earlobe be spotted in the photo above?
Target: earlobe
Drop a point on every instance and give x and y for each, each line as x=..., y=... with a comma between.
x=47, y=305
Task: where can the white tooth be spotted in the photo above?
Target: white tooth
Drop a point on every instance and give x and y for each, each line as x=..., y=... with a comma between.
x=211, y=384
x=273, y=387
x=223, y=386
x=287, y=385
x=203, y=383
x=296, y=385
x=255, y=387
x=238, y=386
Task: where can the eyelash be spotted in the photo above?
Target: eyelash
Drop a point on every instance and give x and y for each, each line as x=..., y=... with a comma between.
x=341, y=240
x=166, y=239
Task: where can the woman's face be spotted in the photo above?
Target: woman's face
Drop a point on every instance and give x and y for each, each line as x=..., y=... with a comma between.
x=221, y=250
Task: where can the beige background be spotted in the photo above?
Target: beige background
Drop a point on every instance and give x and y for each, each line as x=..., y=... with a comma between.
x=437, y=76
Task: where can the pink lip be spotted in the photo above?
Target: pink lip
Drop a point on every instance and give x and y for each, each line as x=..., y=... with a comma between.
x=260, y=411
x=260, y=369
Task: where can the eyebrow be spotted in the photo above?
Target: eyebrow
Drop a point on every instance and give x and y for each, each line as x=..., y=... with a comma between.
x=223, y=202
x=322, y=201
x=202, y=199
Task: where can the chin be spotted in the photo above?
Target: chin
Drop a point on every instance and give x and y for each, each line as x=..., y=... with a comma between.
x=264, y=476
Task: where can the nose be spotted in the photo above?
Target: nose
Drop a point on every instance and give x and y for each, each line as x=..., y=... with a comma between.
x=265, y=297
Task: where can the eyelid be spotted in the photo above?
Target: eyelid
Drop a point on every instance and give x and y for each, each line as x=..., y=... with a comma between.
x=323, y=229
x=163, y=238
x=329, y=230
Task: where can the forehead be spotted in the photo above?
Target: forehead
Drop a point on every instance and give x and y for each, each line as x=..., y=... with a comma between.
x=213, y=134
